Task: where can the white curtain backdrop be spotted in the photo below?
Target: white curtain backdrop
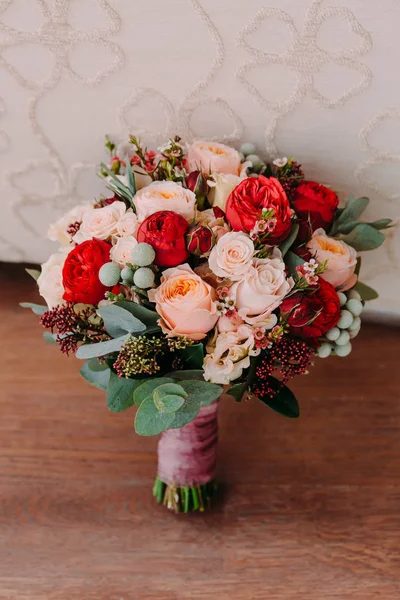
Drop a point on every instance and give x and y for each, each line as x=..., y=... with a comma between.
x=307, y=78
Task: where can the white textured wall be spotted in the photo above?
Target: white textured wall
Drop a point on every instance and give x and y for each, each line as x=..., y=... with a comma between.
x=303, y=78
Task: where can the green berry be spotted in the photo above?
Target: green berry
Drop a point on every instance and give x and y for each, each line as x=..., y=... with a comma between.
x=353, y=295
x=143, y=278
x=109, y=274
x=324, y=350
x=354, y=332
x=342, y=298
x=143, y=254
x=242, y=157
x=332, y=334
x=343, y=351
x=255, y=160
x=127, y=275
x=346, y=319
x=247, y=149
x=355, y=307
x=356, y=324
x=343, y=338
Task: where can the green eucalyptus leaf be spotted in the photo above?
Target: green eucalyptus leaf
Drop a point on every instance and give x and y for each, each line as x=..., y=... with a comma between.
x=50, y=337
x=367, y=293
x=286, y=244
x=169, y=403
x=197, y=374
x=96, y=373
x=38, y=309
x=237, y=390
x=346, y=227
x=193, y=356
x=292, y=261
x=118, y=321
x=284, y=402
x=101, y=348
x=145, y=315
x=364, y=237
x=131, y=178
x=353, y=210
x=358, y=266
x=120, y=392
x=205, y=391
x=187, y=412
x=382, y=224
x=35, y=273
x=150, y=421
x=147, y=388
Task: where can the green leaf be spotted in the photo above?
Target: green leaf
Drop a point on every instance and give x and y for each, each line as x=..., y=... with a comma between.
x=50, y=337
x=364, y=237
x=367, y=293
x=292, y=261
x=131, y=178
x=187, y=412
x=346, y=227
x=150, y=421
x=237, y=390
x=118, y=321
x=382, y=224
x=101, y=348
x=286, y=244
x=120, y=392
x=358, y=266
x=353, y=210
x=96, y=373
x=169, y=403
x=33, y=273
x=197, y=374
x=38, y=309
x=147, y=388
x=145, y=315
x=193, y=356
x=207, y=392
x=284, y=402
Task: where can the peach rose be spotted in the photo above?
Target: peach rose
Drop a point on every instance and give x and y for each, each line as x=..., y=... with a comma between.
x=100, y=223
x=230, y=356
x=211, y=157
x=165, y=195
x=262, y=290
x=185, y=303
x=341, y=257
x=50, y=279
x=232, y=256
x=121, y=252
x=59, y=231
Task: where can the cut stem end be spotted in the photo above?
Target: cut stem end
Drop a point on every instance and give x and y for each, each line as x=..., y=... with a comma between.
x=185, y=499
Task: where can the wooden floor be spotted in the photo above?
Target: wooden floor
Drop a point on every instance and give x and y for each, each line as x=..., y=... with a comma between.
x=310, y=509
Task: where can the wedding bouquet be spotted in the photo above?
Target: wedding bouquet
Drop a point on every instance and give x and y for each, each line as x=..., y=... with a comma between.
x=206, y=271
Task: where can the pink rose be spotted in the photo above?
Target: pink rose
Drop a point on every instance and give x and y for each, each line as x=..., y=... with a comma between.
x=232, y=256
x=121, y=252
x=100, y=223
x=185, y=303
x=162, y=196
x=341, y=257
x=212, y=157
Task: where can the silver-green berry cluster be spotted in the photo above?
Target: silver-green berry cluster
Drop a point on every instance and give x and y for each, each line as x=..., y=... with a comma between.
x=109, y=274
x=141, y=275
x=348, y=327
x=248, y=153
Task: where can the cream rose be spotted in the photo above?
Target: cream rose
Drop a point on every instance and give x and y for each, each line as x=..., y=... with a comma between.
x=165, y=195
x=128, y=224
x=222, y=184
x=121, y=252
x=185, y=303
x=230, y=356
x=232, y=256
x=262, y=289
x=100, y=223
x=50, y=279
x=211, y=157
x=341, y=257
x=62, y=230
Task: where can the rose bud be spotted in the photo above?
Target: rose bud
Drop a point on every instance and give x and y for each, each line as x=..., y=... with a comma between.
x=199, y=240
x=198, y=185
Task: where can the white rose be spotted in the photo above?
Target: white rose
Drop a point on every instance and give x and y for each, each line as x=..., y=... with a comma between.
x=58, y=231
x=342, y=258
x=100, y=223
x=121, y=252
x=232, y=256
x=50, y=279
x=222, y=184
x=165, y=195
x=128, y=224
x=211, y=157
x=230, y=356
x=262, y=289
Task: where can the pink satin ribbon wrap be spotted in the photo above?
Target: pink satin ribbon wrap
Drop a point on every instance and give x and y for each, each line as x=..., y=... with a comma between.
x=188, y=456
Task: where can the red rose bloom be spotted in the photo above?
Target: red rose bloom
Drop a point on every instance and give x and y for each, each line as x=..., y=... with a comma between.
x=312, y=314
x=315, y=207
x=200, y=239
x=245, y=203
x=165, y=230
x=81, y=272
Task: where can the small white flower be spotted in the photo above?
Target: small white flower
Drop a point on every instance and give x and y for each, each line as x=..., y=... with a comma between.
x=280, y=162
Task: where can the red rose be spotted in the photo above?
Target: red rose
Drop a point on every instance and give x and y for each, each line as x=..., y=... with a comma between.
x=165, y=230
x=315, y=207
x=245, y=203
x=81, y=272
x=200, y=239
x=312, y=314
